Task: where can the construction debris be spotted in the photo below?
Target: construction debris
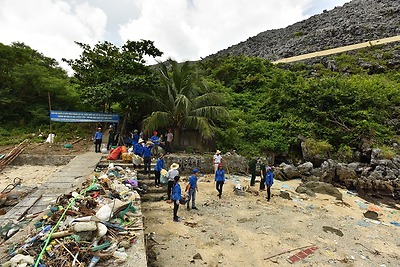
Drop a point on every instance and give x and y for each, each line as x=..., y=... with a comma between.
x=13, y=154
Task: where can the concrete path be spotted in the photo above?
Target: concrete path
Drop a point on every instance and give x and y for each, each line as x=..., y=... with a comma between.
x=62, y=182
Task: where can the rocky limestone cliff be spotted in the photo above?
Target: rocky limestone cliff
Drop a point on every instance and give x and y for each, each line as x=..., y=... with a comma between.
x=355, y=22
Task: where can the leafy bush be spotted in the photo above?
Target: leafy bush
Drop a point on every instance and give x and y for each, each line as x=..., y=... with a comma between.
x=315, y=147
x=345, y=153
x=387, y=152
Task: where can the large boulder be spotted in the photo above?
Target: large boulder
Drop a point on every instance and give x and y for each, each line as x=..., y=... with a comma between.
x=321, y=188
x=290, y=171
x=346, y=174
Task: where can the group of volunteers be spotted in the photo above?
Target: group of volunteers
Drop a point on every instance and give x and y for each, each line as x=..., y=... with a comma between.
x=135, y=140
x=151, y=148
x=266, y=173
x=174, y=191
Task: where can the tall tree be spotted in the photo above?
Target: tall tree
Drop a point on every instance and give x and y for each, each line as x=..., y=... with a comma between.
x=187, y=103
x=116, y=78
x=26, y=78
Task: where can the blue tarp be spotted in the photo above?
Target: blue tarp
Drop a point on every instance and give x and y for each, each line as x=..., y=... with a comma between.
x=74, y=116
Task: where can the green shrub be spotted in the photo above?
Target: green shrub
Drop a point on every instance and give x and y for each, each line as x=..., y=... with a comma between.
x=298, y=34
x=387, y=152
x=344, y=153
x=315, y=147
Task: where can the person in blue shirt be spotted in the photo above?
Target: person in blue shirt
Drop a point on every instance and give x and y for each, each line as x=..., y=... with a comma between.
x=269, y=181
x=135, y=137
x=156, y=141
x=160, y=164
x=138, y=148
x=176, y=197
x=193, y=189
x=98, y=138
x=219, y=179
x=147, y=157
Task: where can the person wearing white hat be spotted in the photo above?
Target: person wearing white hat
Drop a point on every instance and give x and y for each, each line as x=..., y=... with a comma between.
x=217, y=159
x=138, y=148
x=173, y=171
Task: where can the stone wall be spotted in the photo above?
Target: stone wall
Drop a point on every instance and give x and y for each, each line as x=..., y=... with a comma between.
x=187, y=162
x=42, y=160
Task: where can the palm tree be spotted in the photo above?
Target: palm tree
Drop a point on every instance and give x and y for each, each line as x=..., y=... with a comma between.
x=187, y=103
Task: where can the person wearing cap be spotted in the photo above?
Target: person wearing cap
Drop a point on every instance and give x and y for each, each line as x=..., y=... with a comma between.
x=147, y=157
x=172, y=173
x=156, y=142
x=176, y=197
x=269, y=181
x=219, y=179
x=193, y=189
x=98, y=138
x=111, y=137
x=217, y=159
x=135, y=137
x=160, y=164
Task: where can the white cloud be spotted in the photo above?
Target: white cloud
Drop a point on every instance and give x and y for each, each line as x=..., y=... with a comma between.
x=51, y=26
x=184, y=30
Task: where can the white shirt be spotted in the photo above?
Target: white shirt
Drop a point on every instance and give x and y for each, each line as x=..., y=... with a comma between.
x=172, y=173
x=217, y=159
x=170, y=136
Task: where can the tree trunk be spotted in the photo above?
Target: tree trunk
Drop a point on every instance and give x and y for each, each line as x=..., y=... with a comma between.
x=122, y=129
x=176, y=140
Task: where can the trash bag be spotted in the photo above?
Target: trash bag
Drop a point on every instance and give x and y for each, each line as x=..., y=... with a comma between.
x=164, y=179
x=114, y=154
x=137, y=160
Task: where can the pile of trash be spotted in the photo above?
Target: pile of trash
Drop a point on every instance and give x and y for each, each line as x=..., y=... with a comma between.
x=97, y=222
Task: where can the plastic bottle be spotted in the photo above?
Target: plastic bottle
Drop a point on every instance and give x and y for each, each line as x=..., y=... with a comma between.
x=120, y=255
x=93, y=261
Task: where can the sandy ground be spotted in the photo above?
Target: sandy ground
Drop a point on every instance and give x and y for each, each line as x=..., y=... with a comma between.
x=31, y=176
x=246, y=230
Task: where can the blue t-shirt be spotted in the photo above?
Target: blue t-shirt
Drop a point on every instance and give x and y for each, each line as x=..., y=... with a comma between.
x=138, y=149
x=160, y=164
x=269, y=179
x=146, y=151
x=220, y=176
x=193, y=181
x=135, y=139
x=155, y=140
x=98, y=135
x=176, y=192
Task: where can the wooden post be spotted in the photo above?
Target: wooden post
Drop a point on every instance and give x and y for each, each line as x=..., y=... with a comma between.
x=51, y=126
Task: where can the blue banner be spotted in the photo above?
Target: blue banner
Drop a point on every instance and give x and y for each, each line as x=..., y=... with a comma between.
x=74, y=116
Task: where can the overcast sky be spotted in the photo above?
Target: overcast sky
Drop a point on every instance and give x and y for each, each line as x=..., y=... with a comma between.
x=181, y=29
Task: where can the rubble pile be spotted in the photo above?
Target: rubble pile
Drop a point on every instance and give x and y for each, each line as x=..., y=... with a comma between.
x=96, y=223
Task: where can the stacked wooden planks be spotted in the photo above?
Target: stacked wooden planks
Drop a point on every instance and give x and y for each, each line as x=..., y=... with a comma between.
x=13, y=154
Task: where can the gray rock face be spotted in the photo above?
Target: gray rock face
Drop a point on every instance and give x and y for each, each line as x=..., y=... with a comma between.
x=311, y=188
x=355, y=22
x=380, y=178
